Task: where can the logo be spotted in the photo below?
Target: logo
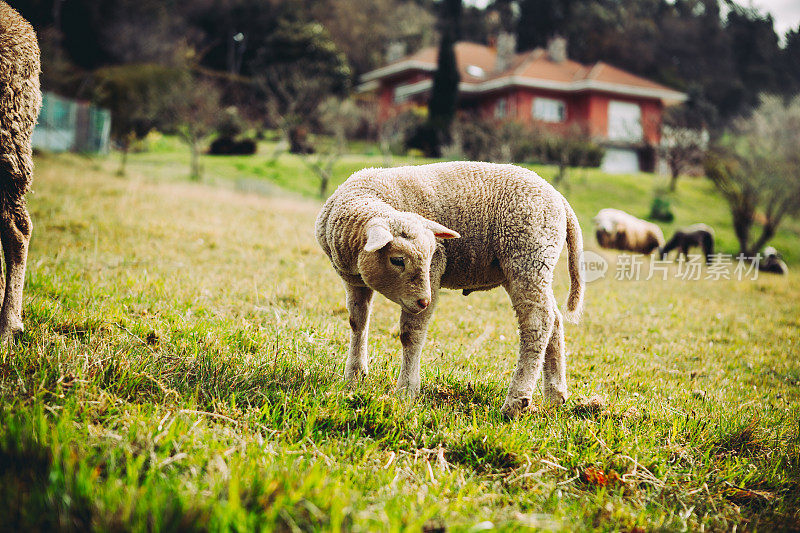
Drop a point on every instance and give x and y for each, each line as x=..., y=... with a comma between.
x=592, y=266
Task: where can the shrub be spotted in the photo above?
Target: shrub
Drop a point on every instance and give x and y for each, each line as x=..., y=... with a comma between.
x=394, y=133
x=425, y=138
x=473, y=140
x=660, y=208
x=229, y=127
x=228, y=146
x=230, y=124
x=574, y=148
x=488, y=140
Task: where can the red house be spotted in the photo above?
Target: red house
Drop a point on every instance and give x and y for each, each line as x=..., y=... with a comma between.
x=617, y=108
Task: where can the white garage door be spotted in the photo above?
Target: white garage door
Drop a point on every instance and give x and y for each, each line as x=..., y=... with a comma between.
x=620, y=161
x=624, y=121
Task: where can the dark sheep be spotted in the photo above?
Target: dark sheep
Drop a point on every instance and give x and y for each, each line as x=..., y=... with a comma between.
x=697, y=235
x=772, y=262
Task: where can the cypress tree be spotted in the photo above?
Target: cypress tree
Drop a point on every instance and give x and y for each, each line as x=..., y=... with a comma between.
x=442, y=105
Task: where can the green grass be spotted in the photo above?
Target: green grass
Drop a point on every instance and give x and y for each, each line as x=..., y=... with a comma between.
x=588, y=190
x=184, y=346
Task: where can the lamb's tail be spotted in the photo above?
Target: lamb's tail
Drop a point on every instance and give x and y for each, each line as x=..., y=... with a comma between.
x=576, y=284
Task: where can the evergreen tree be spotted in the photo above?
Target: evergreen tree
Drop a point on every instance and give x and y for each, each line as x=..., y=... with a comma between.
x=790, y=61
x=444, y=96
x=755, y=51
x=541, y=19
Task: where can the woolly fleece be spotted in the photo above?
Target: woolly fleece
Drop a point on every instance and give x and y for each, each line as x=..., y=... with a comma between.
x=621, y=231
x=20, y=100
x=501, y=224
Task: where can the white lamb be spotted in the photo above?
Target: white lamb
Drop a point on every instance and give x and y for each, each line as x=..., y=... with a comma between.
x=498, y=225
x=621, y=231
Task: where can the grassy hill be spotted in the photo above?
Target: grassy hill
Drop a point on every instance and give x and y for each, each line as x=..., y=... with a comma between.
x=184, y=346
x=588, y=190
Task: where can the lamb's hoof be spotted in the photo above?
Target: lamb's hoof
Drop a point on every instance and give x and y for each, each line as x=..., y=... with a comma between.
x=555, y=397
x=10, y=330
x=514, y=408
x=354, y=374
x=408, y=390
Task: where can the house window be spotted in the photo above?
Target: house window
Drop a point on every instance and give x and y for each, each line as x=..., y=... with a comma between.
x=476, y=71
x=624, y=121
x=501, y=108
x=549, y=110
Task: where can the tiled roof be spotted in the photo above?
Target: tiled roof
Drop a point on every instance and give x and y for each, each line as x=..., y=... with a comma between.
x=467, y=55
x=610, y=74
x=534, y=68
x=538, y=65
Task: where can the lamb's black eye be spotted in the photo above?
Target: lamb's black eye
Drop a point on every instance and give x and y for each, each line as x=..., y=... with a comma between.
x=397, y=261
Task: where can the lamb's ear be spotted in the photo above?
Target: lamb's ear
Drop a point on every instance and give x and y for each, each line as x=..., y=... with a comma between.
x=378, y=236
x=441, y=232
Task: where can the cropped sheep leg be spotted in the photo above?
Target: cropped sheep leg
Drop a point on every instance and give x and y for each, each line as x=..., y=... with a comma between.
x=15, y=233
x=555, y=363
x=359, y=303
x=536, y=318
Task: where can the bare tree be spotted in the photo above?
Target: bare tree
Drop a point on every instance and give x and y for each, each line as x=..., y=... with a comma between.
x=298, y=69
x=573, y=147
x=292, y=101
x=392, y=131
x=681, y=148
x=683, y=141
x=196, y=110
x=140, y=97
x=757, y=169
x=340, y=119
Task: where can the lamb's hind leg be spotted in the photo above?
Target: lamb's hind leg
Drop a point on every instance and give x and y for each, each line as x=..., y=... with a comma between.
x=359, y=304
x=15, y=233
x=555, y=363
x=536, y=317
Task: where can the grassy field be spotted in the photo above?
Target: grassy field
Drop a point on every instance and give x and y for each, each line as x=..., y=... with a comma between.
x=184, y=346
x=588, y=190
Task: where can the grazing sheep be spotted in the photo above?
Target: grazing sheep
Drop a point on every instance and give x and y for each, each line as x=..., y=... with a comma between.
x=499, y=225
x=20, y=100
x=620, y=231
x=772, y=262
x=699, y=235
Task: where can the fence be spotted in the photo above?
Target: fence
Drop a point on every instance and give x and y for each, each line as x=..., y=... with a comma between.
x=66, y=125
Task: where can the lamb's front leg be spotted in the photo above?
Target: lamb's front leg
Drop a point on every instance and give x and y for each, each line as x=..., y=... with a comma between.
x=359, y=304
x=413, y=332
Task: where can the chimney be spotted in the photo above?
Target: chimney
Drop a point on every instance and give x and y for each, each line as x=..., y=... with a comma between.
x=506, y=47
x=557, y=49
x=395, y=50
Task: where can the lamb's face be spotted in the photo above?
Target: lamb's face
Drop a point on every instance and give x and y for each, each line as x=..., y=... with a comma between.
x=396, y=261
x=401, y=270
x=605, y=224
x=769, y=251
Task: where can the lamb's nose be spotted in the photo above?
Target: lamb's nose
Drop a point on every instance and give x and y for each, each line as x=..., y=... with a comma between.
x=423, y=302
